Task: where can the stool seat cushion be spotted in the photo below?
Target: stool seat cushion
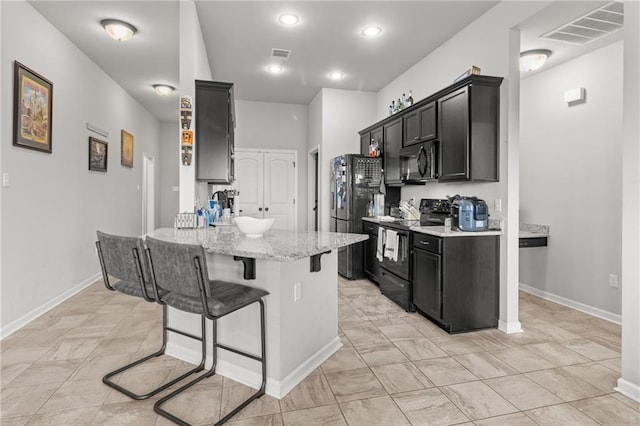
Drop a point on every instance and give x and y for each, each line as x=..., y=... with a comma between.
x=224, y=297
x=133, y=289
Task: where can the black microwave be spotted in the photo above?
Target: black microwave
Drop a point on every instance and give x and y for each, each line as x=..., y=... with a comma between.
x=418, y=163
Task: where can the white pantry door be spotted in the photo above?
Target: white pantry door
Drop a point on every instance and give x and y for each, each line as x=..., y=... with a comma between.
x=266, y=182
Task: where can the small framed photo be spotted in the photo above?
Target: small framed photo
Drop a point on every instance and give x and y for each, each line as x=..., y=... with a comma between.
x=98, y=151
x=32, y=109
x=126, y=148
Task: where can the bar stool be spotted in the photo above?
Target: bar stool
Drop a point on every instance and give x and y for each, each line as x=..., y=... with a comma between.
x=123, y=258
x=180, y=272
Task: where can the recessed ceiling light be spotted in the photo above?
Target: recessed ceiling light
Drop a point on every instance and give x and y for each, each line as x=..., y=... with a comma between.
x=288, y=19
x=371, y=31
x=163, y=89
x=531, y=60
x=336, y=75
x=118, y=30
x=275, y=69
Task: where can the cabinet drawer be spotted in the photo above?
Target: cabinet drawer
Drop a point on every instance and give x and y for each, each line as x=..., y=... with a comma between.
x=370, y=227
x=427, y=242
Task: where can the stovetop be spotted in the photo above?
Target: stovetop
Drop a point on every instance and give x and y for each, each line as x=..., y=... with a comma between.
x=402, y=224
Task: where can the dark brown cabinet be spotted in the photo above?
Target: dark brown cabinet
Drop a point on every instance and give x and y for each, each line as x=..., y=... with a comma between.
x=468, y=129
x=375, y=137
x=456, y=280
x=420, y=125
x=214, y=128
x=371, y=262
x=392, y=145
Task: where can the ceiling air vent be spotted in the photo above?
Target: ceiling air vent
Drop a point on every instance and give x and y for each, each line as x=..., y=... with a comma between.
x=592, y=26
x=280, y=54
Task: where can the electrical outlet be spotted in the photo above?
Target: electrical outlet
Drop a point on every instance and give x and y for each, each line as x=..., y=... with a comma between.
x=497, y=204
x=5, y=180
x=297, y=292
x=613, y=280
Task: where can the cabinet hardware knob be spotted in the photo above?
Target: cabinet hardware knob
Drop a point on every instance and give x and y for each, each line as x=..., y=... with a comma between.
x=259, y=209
x=266, y=209
x=426, y=243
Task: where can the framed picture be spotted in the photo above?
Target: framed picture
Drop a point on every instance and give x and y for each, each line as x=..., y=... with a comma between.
x=32, y=109
x=98, y=155
x=126, y=148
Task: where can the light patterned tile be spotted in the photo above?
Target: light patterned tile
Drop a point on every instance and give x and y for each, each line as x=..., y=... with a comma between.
x=369, y=335
x=346, y=358
x=608, y=410
x=596, y=375
x=556, y=354
x=10, y=372
x=16, y=421
x=477, y=400
x=563, y=414
x=373, y=411
x=46, y=372
x=401, y=331
x=626, y=401
x=522, y=359
x=381, y=354
x=130, y=413
x=268, y=420
x=418, y=349
x=444, y=371
x=517, y=419
x=66, y=349
x=398, y=378
x=79, y=416
x=234, y=395
x=355, y=384
x=80, y=394
x=591, y=350
x=95, y=367
x=429, y=407
x=329, y=415
x=314, y=391
x=563, y=384
x=523, y=392
x=484, y=365
x=25, y=400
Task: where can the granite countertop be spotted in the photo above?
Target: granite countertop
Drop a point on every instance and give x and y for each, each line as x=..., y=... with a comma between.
x=439, y=231
x=275, y=244
x=530, y=230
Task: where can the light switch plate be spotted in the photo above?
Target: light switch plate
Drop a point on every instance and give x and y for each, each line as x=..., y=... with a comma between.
x=5, y=180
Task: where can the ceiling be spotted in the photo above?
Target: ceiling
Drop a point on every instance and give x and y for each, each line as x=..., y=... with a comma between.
x=239, y=36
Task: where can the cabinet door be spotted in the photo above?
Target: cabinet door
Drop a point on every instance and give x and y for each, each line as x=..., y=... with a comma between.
x=365, y=139
x=427, y=283
x=212, y=132
x=377, y=136
x=250, y=177
x=453, y=123
x=410, y=124
x=371, y=263
x=279, y=189
x=392, y=145
x=427, y=120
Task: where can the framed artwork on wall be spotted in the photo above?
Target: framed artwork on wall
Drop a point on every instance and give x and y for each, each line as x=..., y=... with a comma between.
x=32, y=109
x=98, y=151
x=126, y=148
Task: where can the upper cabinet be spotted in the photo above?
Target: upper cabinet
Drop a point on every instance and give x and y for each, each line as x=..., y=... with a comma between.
x=462, y=120
x=214, y=132
x=468, y=120
x=419, y=125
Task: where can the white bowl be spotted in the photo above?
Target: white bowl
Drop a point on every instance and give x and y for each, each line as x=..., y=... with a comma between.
x=253, y=227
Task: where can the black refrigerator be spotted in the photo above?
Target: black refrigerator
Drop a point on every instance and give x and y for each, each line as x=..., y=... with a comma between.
x=354, y=181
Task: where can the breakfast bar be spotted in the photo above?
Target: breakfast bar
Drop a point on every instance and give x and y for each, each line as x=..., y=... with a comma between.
x=299, y=270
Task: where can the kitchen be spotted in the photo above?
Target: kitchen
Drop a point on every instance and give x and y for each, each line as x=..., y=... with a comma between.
x=316, y=124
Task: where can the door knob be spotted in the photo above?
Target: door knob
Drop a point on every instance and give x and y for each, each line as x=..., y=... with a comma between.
x=259, y=209
x=266, y=209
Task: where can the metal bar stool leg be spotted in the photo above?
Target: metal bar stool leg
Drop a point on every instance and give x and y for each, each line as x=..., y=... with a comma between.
x=262, y=359
x=165, y=328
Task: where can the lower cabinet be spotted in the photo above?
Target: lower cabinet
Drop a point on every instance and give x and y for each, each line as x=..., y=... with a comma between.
x=456, y=280
x=371, y=262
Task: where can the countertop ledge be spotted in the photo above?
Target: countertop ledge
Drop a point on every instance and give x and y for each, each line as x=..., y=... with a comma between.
x=275, y=244
x=530, y=230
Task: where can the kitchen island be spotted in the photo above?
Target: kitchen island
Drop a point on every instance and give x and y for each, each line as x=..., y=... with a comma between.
x=299, y=270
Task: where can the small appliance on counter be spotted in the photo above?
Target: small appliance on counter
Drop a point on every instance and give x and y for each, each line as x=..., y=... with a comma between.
x=433, y=211
x=469, y=214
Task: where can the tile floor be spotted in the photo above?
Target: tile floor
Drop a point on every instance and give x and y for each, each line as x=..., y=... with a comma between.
x=395, y=368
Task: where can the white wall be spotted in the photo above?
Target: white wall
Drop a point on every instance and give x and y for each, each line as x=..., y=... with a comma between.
x=314, y=140
x=268, y=125
x=572, y=159
x=169, y=177
x=54, y=205
x=490, y=44
x=629, y=383
x=344, y=114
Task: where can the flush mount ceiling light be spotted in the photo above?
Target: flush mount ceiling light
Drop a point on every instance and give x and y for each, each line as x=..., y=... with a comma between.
x=336, y=75
x=163, y=89
x=118, y=30
x=531, y=60
x=275, y=69
x=288, y=19
x=371, y=31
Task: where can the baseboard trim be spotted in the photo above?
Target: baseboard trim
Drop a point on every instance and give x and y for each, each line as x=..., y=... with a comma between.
x=587, y=309
x=275, y=388
x=628, y=389
x=14, y=326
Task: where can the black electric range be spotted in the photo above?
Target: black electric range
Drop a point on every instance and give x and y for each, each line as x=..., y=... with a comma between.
x=433, y=211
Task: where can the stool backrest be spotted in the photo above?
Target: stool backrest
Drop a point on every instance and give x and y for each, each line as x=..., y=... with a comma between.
x=173, y=266
x=118, y=257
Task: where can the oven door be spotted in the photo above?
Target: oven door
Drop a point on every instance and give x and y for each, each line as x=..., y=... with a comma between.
x=399, y=267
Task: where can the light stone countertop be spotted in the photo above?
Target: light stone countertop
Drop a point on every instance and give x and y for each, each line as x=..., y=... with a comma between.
x=275, y=244
x=530, y=230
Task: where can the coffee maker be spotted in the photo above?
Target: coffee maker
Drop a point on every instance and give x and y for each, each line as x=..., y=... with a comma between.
x=228, y=199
